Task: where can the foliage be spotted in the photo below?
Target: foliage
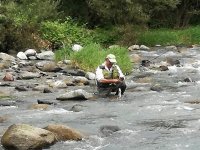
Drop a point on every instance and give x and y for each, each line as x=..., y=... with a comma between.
x=118, y=11
x=171, y=36
x=20, y=22
x=65, y=33
x=91, y=56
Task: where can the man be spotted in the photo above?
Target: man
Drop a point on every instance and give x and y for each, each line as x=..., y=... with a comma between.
x=110, y=77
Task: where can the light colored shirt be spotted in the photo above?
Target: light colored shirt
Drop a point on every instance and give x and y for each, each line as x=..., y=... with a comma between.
x=99, y=72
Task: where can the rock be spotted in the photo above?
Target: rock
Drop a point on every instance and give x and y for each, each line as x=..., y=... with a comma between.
x=57, y=84
x=7, y=103
x=108, y=130
x=173, y=61
x=40, y=87
x=82, y=80
x=67, y=62
x=77, y=108
x=29, y=75
x=46, y=55
x=90, y=76
x=156, y=87
x=5, y=65
x=30, y=52
x=171, y=47
x=47, y=90
x=187, y=79
x=3, y=119
x=47, y=66
x=25, y=137
x=64, y=133
x=76, y=47
x=75, y=73
x=134, y=47
x=163, y=68
x=8, y=77
x=143, y=47
x=75, y=95
x=113, y=46
x=21, y=88
x=135, y=58
x=145, y=63
x=6, y=57
x=39, y=106
x=48, y=102
x=21, y=55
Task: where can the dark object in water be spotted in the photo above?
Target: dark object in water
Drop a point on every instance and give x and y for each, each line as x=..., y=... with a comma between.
x=145, y=63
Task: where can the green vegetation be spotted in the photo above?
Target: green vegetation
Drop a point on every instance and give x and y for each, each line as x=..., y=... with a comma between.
x=187, y=36
x=93, y=55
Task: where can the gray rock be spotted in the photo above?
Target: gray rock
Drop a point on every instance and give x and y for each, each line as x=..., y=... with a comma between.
x=21, y=55
x=29, y=75
x=90, y=75
x=76, y=47
x=134, y=47
x=143, y=47
x=46, y=55
x=47, y=66
x=30, y=52
x=75, y=95
x=6, y=57
x=108, y=130
x=83, y=80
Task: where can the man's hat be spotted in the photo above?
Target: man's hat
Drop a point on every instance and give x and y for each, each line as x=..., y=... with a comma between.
x=111, y=58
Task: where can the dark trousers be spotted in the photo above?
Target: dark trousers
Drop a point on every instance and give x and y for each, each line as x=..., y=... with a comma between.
x=105, y=89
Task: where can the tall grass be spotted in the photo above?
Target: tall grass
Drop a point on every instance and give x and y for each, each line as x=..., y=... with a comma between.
x=93, y=55
x=187, y=36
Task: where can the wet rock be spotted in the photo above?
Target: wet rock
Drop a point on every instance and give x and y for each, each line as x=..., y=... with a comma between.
x=75, y=95
x=40, y=87
x=57, y=84
x=75, y=72
x=29, y=75
x=48, y=66
x=21, y=88
x=47, y=90
x=39, y=106
x=173, y=62
x=25, y=137
x=145, y=63
x=188, y=80
x=135, y=58
x=48, y=102
x=7, y=103
x=3, y=119
x=156, y=87
x=144, y=80
x=82, y=80
x=77, y=108
x=8, y=77
x=108, y=130
x=163, y=68
x=64, y=133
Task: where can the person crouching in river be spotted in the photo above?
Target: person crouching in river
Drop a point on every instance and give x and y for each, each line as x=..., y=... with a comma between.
x=110, y=77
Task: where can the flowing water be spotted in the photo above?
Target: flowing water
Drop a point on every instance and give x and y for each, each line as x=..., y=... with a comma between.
x=166, y=119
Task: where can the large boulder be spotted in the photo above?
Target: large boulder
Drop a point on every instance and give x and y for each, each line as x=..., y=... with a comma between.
x=25, y=137
x=30, y=52
x=22, y=55
x=64, y=133
x=75, y=95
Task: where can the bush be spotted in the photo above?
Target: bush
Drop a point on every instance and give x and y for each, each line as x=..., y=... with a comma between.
x=67, y=33
x=93, y=55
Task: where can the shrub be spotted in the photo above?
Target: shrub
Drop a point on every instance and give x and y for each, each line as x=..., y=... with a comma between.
x=67, y=33
x=93, y=55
